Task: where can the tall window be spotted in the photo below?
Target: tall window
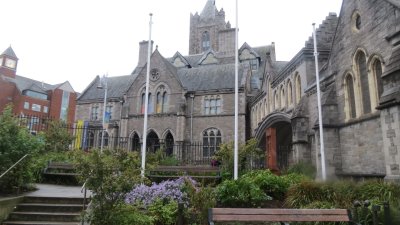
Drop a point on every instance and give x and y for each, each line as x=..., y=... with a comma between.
x=254, y=64
x=212, y=105
x=105, y=142
x=205, y=41
x=150, y=108
x=108, y=112
x=95, y=113
x=377, y=69
x=90, y=141
x=211, y=141
x=64, y=106
x=289, y=93
x=142, y=103
x=276, y=100
x=298, y=89
x=161, y=100
x=283, y=98
x=164, y=102
x=363, y=75
x=351, y=102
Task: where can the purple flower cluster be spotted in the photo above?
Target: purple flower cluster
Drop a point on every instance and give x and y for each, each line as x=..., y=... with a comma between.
x=166, y=191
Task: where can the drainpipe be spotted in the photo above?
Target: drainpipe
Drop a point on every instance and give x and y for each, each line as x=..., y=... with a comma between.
x=191, y=118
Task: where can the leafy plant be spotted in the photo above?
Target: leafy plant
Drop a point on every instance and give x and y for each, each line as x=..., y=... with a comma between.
x=242, y=192
x=248, y=154
x=57, y=136
x=164, y=213
x=306, y=169
x=109, y=175
x=15, y=142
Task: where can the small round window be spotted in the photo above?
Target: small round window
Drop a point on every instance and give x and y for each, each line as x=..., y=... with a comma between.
x=358, y=21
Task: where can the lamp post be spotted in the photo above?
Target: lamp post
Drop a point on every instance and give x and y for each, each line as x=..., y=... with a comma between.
x=103, y=85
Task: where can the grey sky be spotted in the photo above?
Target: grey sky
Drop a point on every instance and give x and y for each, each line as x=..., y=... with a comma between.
x=75, y=40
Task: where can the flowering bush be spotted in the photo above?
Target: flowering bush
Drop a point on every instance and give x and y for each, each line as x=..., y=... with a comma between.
x=170, y=190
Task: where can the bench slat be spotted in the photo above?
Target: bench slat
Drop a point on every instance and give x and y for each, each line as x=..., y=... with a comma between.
x=255, y=211
x=282, y=218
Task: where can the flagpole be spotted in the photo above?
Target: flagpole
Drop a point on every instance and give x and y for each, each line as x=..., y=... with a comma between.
x=236, y=150
x=321, y=132
x=146, y=102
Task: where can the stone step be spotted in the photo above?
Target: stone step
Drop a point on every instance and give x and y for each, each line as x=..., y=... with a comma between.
x=39, y=223
x=53, y=200
x=44, y=216
x=47, y=207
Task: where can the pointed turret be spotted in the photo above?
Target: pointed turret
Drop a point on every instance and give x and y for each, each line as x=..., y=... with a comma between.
x=8, y=63
x=209, y=10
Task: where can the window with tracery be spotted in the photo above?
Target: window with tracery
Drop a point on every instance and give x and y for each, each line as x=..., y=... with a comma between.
x=211, y=141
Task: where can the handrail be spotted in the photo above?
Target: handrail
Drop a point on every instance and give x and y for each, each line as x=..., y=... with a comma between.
x=84, y=190
x=23, y=157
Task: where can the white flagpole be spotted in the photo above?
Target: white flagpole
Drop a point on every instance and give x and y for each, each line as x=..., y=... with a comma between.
x=146, y=102
x=321, y=132
x=236, y=150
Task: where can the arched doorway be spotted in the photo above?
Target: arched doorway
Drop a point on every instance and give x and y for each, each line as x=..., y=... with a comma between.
x=153, y=142
x=275, y=138
x=169, y=144
x=135, y=142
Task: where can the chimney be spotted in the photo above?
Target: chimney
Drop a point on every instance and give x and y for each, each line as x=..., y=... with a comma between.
x=143, y=49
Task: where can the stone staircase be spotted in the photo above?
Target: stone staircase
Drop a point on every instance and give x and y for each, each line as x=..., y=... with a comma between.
x=38, y=210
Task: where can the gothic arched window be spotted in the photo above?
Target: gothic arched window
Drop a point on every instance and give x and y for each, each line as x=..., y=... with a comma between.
x=211, y=141
x=205, y=41
x=363, y=77
x=298, y=88
x=350, y=101
x=289, y=93
x=377, y=70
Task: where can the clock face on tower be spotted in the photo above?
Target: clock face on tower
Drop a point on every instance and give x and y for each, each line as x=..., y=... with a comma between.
x=10, y=63
x=154, y=74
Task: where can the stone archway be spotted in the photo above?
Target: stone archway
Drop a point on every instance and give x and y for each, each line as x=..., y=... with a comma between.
x=275, y=138
x=153, y=142
x=135, y=142
x=169, y=144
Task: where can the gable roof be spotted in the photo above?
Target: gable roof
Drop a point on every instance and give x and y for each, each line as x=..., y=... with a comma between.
x=209, y=10
x=116, y=88
x=210, y=77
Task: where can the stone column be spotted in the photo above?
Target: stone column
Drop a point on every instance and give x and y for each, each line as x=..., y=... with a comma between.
x=390, y=121
x=301, y=151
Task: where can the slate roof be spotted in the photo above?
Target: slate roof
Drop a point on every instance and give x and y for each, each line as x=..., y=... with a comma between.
x=24, y=83
x=9, y=52
x=117, y=86
x=210, y=77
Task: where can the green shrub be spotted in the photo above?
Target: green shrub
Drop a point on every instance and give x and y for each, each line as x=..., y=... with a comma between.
x=40, y=161
x=243, y=192
x=15, y=142
x=307, y=169
x=125, y=214
x=109, y=175
x=164, y=213
x=57, y=136
x=201, y=200
x=248, y=153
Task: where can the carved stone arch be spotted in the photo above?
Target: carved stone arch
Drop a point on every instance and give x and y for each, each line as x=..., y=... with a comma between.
x=375, y=65
x=134, y=143
x=169, y=142
x=351, y=107
x=363, y=87
x=271, y=119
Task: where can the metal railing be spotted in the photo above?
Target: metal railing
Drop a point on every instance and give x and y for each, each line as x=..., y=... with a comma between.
x=23, y=157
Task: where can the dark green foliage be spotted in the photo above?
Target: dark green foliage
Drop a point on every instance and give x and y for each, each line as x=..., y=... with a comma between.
x=307, y=169
x=243, y=192
x=15, y=142
x=163, y=213
x=248, y=153
x=57, y=136
x=200, y=201
x=40, y=161
x=109, y=175
x=125, y=214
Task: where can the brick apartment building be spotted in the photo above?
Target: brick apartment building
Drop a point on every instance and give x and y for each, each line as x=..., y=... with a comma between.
x=32, y=97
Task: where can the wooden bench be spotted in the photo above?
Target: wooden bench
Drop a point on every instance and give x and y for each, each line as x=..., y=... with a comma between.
x=59, y=169
x=277, y=215
x=203, y=172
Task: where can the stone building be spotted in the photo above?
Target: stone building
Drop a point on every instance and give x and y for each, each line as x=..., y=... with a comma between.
x=359, y=78
x=192, y=97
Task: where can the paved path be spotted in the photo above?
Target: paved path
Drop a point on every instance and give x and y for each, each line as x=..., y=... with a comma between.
x=52, y=190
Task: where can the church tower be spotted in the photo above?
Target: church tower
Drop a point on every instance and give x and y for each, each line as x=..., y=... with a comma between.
x=8, y=63
x=210, y=31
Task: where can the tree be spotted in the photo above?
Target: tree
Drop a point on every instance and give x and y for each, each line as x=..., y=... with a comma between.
x=15, y=142
x=57, y=136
